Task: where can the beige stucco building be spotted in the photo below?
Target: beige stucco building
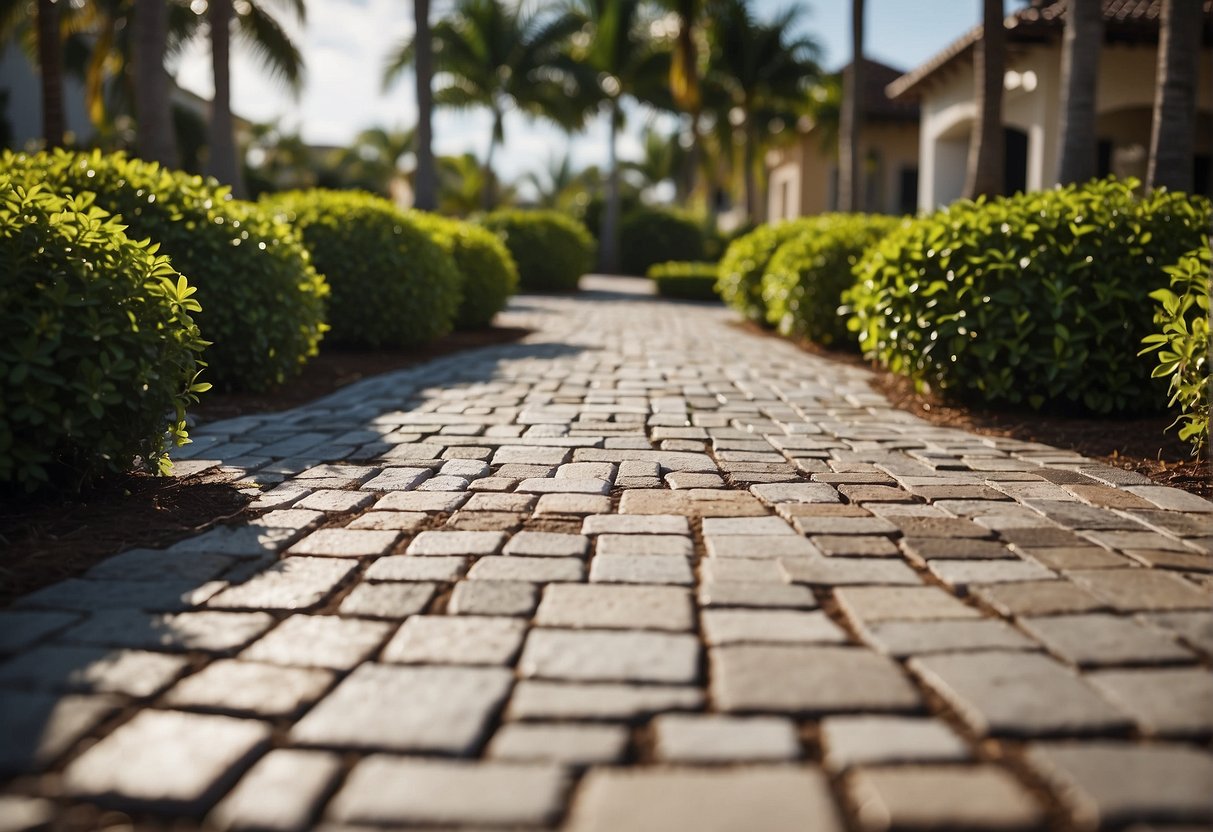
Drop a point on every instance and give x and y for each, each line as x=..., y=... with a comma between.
x=944, y=89
x=802, y=176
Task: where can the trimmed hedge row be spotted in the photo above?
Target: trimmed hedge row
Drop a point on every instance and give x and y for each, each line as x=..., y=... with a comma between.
x=739, y=280
x=552, y=250
x=657, y=235
x=683, y=280
x=489, y=275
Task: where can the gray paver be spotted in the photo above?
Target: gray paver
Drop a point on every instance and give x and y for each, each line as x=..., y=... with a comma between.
x=167, y=760
x=610, y=701
x=38, y=727
x=409, y=568
x=616, y=607
x=295, y=583
x=547, y=544
x=319, y=641
x=250, y=689
x=212, y=632
x=1171, y=702
x=769, y=627
x=493, y=598
x=687, y=738
x=645, y=544
x=910, y=638
x=641, y=569
x=635, y=524
x=1142, y=589
x=456, y=639
x=280, y=792
x=776, y=799
x=610, y=656
x=52, y=667
x=391, y=601
x=456, y=543
x=1101, y=639
x=867, y=740
x=568, y=744
x=522, y=568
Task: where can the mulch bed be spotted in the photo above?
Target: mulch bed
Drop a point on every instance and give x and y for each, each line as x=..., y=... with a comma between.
x=1141, y=444
x=44, y=539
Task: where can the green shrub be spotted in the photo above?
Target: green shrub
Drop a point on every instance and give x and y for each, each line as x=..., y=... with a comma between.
x=98, y=350
x=689, y=281
x=552, y=250
x=263, y=303
x=392, y=285
x=590, y=214
x=489, y=273
x=1036, y=298
x=1181, y=339
x=739, y=280
x=658, y=235
x=804, y=280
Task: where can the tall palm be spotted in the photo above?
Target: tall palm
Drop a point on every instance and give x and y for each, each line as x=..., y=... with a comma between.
x=662, y=159
x=375, y=159
x=767, y=69
x=553, y=182
x=500, y=56
x=850, y=185
x=269, y=42
x=1173, y=128
x=985, y=172
x=154, y=124
x=50, y=69
x=1079, y=70
x=425, y=177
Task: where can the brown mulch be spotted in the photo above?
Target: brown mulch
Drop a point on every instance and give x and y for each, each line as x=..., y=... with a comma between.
x=46, y=538
x=1141, y=444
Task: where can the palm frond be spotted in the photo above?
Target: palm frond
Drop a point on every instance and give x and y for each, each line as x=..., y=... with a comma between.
x=271, y=45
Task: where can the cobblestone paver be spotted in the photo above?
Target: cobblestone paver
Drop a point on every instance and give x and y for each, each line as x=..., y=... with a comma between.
x=642, y=570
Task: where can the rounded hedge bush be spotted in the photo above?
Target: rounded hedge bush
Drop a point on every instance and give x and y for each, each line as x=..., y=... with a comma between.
x=551, y=249
x=391, y=285
x=98, y=348
x=739, y=279
x=687, y=281
x=657, y=235
x=263, y=303
x=1036, y=299
x=805, y=278
x=1181, y=343
x=489, y=273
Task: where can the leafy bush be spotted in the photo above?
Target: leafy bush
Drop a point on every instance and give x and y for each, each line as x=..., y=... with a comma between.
x=391, y=284
x=1181, y=339
x=552, y=250
x=489, y=273
x=804, y=280
x=689, y=281
x=263, y=303
x=98, y=350
x=655, y=235
x=739, y=280
x=590, y=214
x=1035, y=298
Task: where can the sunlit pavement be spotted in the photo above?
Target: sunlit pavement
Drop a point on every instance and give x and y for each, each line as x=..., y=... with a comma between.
x=640, y=571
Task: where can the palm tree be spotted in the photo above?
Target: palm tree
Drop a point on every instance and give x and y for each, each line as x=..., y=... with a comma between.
x=425, y=177
x=1173, y=129
x=50, y=69
x=662, y=159
x=1079, y=71
x=153, y=110
x=850, y=184
x=985, y=165
x=767, y=70
x=554, y=182
x=270, y=43
x=503, y=57
x=375, y=160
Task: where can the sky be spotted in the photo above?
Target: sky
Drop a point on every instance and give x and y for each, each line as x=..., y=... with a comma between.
x=345, y=44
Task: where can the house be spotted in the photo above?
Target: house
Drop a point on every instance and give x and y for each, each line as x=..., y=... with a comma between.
x=944, y=90
x=802, y=176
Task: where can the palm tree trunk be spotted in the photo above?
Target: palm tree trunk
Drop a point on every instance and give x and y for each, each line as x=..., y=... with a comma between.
x=425, y=179
x=50, y=70
x=1172, y=136
x=224, y=165
x=850, y=174
x=488, y=194
x=749, y=142
x=1079, y=71
x=608, y=237
x=154, y=128
x=986, y=162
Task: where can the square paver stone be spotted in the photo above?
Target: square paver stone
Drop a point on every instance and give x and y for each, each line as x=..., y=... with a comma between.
x=1169, y=702
x=919, y=603
x=56, y=667
x=295, y=583
x=610, y=656
x=770, y=627
x=548, y=544
x=1108, y=783
x=910, y=638
x=346, y=543
x=521, y=568
x=280, y=792
x=167, y=760
x=433, y=502
x=942, y=797
x=493, y=598
x=456, y=639
x=597, y=701
x=38, y=727
x=745, y=526
x=868, y=740
x=456, y=543
x=807, y=680
x=1142, y=589
x=319, y=641
x=641, y=569
x=393, y=790
x=212, y=632
x=831, y=571
x=755, y=594
x=1102, y=639
x=391, y=601
x=567, y=744
x=1018, y=694
x=604, y=606
x=635, y=524
x=1036, y=598
x=712, y=738
x=448, y=709
x=764, y=546
x=250, y=689
x=410, y=568
x=773, y=799
x=670, y=545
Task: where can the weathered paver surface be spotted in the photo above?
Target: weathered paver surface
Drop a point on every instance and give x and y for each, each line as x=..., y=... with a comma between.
x=642, y=570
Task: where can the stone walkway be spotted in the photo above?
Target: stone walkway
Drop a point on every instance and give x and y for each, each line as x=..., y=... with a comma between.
x=641, y=571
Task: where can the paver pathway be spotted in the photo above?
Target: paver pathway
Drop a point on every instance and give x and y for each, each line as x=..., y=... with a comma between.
x=642, y=571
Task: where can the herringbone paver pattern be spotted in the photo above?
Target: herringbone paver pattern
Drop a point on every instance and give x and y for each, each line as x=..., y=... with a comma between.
x=640, y=571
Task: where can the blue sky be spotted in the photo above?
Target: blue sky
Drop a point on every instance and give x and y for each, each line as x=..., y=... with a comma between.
x=345, y=41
